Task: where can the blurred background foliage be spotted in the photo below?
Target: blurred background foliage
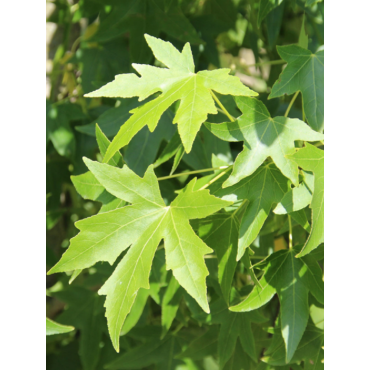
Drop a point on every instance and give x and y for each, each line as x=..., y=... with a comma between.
x=88, y=43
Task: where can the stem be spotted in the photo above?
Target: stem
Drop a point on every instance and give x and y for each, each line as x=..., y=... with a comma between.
x=270, y=62
x=215, y=178
x=257, y=257
x=229, y=116
x=303, y=114
x=191, y=172
x=290, y=232
x=291, y=104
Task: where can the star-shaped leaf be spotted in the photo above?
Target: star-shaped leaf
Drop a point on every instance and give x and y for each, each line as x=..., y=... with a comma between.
x=234, y=326
x=263, y=137
x=312, y=159
x=177, y=82
x=142, y=225
x=304, y=73
x=291, y=278
x=264, y=188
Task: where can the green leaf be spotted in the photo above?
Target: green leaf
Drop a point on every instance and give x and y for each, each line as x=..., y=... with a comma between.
x=303, y=35
x=171, y=149
x=234, y=326
x=170, y=304
x=85, y=312
x=263, y=137
x=90, y=188
x=142, y=225
x=53, y=327
x=204, y=345
x=297, y=198
x=112, y=119
x=309, y=349
x=304, y=73
x=178, y=82
x=312, y=159
x=153, y=351
x=239, y=360
x=220, y=232
x=146, y=16
x=291, y=279
x=264, y=188
x=265, y=7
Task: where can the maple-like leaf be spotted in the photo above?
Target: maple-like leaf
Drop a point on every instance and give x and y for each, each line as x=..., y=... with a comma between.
x=304, y=73
x=312, y=159
x=177, y=82
x=142, y=225
x=263, y=137
x=264, y=188
x=234, y=326
x=291, y=278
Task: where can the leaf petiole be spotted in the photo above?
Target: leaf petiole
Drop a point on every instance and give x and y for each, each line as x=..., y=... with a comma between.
x=229, y=116
x=191, y=172
x=291, y=104
x=290, y=232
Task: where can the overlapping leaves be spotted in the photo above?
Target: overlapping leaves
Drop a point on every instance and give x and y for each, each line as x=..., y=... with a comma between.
x=177, y=82
x=142, y=225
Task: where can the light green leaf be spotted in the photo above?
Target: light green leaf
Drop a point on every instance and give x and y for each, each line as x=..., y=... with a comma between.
x=264, y=188
x=53, y=327
x=178, y=82
x=263, y=137
x=304, y=73
x=89, y=187
x=142, y=225
x=312, y=159
x=291, y=279
x=297, y=198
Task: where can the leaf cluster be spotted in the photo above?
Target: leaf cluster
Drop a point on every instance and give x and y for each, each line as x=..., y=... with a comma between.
x=185, y=185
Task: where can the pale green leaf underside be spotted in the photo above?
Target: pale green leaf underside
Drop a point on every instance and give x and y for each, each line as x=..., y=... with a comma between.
x=142, y=226
x=263, y=137
x=304, y=73
x=178, y=82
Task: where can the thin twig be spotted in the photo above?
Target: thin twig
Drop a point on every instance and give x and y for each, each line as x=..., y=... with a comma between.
x=191, y=172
